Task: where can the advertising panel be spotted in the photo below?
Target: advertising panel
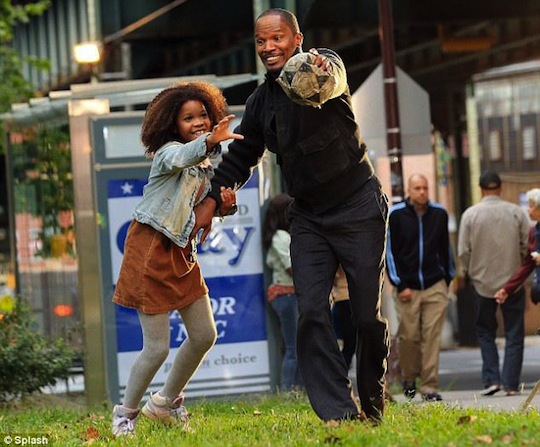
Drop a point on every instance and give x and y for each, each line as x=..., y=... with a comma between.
x=231, y=261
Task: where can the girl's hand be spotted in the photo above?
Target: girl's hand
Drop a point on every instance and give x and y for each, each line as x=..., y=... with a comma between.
x=228, y=200
x=220, y=132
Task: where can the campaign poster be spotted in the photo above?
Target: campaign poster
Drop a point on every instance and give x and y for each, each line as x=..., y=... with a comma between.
x=232, y=264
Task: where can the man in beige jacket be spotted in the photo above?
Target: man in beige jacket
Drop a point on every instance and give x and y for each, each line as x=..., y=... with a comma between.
x=492, y=243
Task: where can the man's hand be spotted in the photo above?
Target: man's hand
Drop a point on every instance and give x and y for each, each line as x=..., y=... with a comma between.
x=204, y=212
x=321, y=61
x=228, y=200
x=461, y=282
x=405, y=295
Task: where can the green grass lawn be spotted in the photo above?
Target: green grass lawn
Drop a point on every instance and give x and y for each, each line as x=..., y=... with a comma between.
x=268, y=420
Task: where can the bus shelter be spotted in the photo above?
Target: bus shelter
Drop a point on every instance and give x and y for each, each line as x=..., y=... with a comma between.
x=76, y=170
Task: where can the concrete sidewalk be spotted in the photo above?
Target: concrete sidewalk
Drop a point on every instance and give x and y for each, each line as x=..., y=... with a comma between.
x=473, y=399
x=460, y=378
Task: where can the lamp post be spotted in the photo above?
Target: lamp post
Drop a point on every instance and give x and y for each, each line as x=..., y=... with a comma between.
x=393, y=132
x=88, y=53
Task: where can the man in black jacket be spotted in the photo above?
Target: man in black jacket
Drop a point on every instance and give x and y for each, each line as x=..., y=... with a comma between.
x=338, y=217
x=420, y=266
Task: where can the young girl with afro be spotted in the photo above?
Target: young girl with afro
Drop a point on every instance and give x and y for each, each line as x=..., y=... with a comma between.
x=182, y=128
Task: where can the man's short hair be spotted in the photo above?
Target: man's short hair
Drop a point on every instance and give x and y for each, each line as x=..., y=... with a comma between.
x=489, y=180
x=287, y=16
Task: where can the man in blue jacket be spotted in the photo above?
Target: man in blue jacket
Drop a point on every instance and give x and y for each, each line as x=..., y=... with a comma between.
x=420, y=266
x=338, y=216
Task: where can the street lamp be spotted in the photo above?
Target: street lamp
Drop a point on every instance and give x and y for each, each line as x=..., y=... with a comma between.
x=88, y=53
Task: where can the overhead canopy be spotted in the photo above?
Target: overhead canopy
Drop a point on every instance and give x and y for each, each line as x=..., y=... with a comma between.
x=120, y=94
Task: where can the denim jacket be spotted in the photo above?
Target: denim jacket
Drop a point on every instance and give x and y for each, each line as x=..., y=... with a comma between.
x=176, y=176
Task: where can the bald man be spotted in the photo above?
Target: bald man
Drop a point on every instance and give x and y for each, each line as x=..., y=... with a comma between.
x=420, y=267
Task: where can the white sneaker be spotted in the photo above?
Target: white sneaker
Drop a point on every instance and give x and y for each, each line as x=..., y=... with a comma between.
x=124, y=421
x=161, y=409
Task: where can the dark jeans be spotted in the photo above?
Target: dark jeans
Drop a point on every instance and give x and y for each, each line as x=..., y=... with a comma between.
x=286, y=308
x=513, y=311
x=353, y=235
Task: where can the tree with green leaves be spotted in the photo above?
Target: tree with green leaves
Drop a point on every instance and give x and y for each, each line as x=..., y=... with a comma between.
x=13, y=86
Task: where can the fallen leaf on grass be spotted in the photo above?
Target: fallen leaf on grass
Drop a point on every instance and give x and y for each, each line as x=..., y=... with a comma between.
x=91, y=435
x=256, y=413
x=486, y=439
x=467, y=419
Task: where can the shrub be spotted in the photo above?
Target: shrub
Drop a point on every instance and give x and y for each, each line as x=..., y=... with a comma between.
x=28, y=361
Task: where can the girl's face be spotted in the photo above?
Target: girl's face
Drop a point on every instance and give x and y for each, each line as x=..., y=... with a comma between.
x=193, y=120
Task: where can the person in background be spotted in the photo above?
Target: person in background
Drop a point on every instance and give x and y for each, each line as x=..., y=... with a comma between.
x=338, y=216
x=532, y=260
x=420, y=266
x=343, y=323
x=492, y=244
x=182, y=127
x=281, y=293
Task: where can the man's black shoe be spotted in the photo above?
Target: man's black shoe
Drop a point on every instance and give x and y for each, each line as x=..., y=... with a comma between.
x=432, y=397
x=374, y=412
x=409, y=389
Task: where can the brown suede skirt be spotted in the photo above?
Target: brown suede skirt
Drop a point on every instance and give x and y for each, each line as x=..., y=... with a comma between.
x=157, y=275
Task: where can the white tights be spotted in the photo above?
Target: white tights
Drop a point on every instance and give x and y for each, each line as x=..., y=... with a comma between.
x=201, y=330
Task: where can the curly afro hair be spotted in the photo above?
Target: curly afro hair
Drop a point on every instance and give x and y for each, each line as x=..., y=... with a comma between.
x=159, y=125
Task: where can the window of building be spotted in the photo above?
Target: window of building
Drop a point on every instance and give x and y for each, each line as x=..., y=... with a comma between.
x=529, y=143
x=495, y=152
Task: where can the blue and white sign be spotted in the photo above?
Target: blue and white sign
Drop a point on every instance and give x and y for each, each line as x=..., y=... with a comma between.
x=231, y=262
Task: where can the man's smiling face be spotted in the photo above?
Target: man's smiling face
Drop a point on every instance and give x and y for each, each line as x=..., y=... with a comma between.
x=275, y=41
